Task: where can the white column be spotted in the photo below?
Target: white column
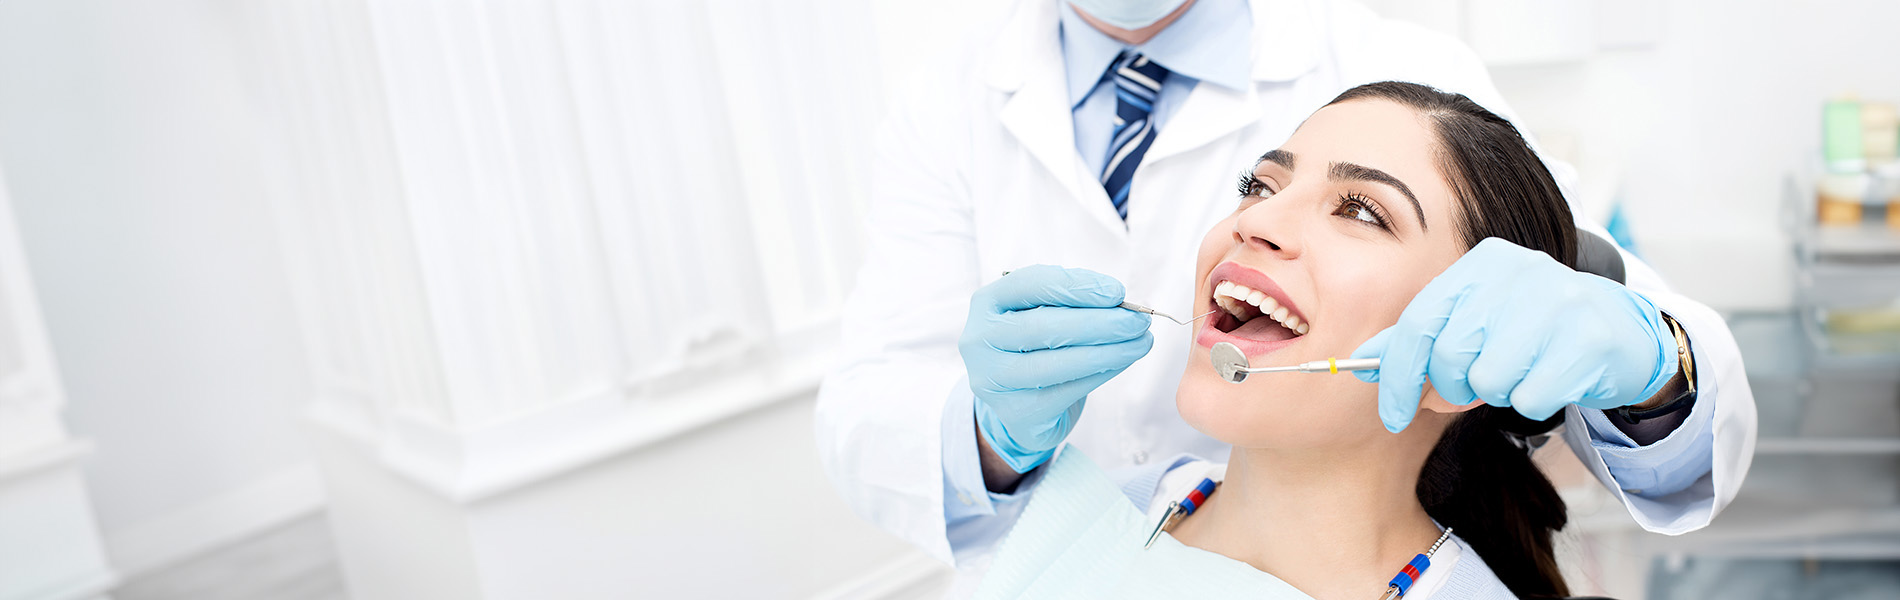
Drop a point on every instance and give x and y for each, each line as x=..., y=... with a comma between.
x=510, y=213
x=49, y=545
x=533, y=240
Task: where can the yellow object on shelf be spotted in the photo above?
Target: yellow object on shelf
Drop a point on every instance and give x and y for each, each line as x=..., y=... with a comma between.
x=1879, y=132
x=1841, y=212
x=1863, y=332
x=1879, y=320
x=1880, y=142
x=1839, y=198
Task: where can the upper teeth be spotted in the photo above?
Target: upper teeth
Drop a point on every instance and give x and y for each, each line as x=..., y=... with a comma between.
x=1230, y=296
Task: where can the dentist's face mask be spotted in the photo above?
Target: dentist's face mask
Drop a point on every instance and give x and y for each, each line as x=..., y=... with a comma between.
x=1127, y=14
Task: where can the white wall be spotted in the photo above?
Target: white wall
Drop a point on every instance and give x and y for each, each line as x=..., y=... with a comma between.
x=132, y=154
x=1744, y=113
x=746, y=498
x=738, y=509
x=141, y=165
x=49, y=538
x=513, y=258
x=1692, y=112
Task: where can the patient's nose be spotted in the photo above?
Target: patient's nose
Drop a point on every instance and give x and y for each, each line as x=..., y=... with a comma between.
x=1272, y=226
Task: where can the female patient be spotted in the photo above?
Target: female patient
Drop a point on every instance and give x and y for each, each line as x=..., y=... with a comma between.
x=1331, y=237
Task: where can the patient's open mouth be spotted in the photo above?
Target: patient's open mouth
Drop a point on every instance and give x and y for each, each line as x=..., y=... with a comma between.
x=1250, y=313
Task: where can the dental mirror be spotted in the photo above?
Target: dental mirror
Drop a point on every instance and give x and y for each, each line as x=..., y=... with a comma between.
x=1231, y=364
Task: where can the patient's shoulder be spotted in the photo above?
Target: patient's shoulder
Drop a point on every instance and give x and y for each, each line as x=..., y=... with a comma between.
x=1470, y=577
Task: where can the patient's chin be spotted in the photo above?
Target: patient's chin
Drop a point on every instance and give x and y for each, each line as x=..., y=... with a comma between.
x=1258, y=412
x=1280, y=410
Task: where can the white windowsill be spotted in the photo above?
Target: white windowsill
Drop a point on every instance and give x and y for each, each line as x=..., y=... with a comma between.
x=467, y=466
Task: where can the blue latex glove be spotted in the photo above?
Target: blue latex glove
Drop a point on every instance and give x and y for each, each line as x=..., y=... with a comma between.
x=1036, y=343
x=1513, y=327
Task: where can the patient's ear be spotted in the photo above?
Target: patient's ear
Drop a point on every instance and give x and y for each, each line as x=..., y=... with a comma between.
x=1431, y=401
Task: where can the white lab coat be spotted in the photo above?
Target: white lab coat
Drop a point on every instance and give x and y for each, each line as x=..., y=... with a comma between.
x=977, y=173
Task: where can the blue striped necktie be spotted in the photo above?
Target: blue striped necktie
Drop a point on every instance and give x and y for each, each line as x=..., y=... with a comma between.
x=1137, y=86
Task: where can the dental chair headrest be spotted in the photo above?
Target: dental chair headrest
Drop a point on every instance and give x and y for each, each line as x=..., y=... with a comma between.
x=1597, y=256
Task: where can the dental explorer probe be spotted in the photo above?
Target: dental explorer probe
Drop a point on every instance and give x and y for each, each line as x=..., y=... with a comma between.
x=1145, y=310
x=1231, y=364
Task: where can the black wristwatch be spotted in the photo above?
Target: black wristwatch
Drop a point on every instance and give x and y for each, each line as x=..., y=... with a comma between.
x=1685, y=361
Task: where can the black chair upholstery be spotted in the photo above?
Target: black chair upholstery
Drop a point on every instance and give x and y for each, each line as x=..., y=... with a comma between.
x=1597, y=256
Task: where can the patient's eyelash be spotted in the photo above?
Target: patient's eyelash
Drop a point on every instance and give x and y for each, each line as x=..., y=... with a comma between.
x=1352, y=201
x=1252, y=186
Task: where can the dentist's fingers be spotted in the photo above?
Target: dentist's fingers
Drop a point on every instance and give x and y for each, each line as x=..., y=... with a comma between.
x=1453, y=351
x=1057, y=326
x=1045, y=285
x=1373, y=348
x=1079, y=388
x=1399, y=392
x=1059, y=426
x=1047, y=368
x=1495, y=375
x=1402, y=375
x=1408, y=353
x=1549, y=387
x=1053, y=420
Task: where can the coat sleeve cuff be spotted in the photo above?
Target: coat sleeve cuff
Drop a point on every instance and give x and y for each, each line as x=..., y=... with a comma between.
x=1659, y=469
x=965, y=497
x=1672, y=463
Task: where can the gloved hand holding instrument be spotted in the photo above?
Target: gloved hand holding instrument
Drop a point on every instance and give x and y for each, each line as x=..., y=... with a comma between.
x=1513, y=327
x=1036, y=343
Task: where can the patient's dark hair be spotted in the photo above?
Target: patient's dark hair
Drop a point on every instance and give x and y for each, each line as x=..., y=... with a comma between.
x=1477, y=480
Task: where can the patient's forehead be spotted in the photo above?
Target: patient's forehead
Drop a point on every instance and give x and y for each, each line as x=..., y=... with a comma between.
x=1380, y=134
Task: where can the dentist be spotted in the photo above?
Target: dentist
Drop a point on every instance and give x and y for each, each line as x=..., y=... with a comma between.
x=1097, y=134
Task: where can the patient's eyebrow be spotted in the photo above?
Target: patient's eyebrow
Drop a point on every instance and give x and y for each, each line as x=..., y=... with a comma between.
x=1278, y=157
x=1345, y=171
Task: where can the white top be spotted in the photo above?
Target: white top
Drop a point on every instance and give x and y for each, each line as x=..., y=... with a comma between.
x=1082, y=537
x=1180, y=480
